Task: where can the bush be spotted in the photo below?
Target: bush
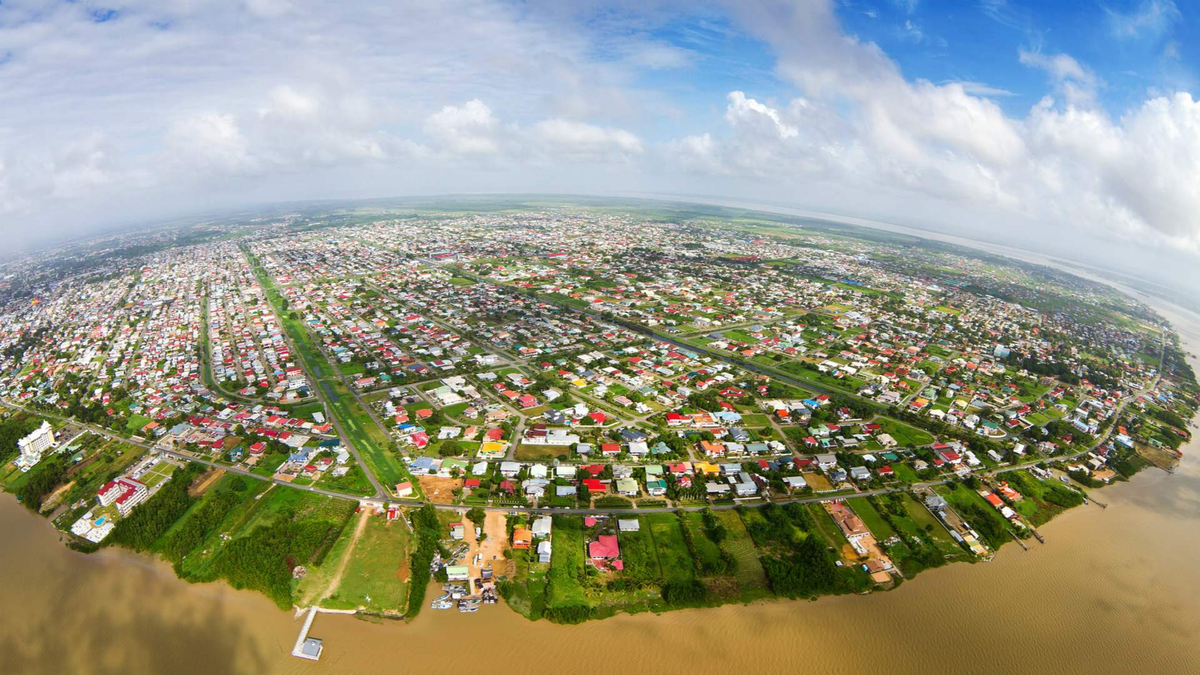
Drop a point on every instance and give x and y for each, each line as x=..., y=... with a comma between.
x=568, y=614
x=684, y=592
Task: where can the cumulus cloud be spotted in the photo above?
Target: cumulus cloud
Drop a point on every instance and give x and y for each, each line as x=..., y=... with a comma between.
x=948, y=147
x=468, y=129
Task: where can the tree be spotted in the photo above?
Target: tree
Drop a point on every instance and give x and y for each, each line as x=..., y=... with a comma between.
x=477, y=515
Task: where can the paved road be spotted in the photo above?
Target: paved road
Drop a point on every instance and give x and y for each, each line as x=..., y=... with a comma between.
x=666, y=509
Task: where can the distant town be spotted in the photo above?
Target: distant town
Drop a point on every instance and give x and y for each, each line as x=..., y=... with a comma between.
x=576, y=409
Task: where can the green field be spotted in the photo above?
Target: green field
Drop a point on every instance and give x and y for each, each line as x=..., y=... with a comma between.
x=673, y=557
x=871, y=518
x=906, y=436
x=639, y=554
x=708, y=554
x=374, y=569
x=566, y=565
x=749, y=573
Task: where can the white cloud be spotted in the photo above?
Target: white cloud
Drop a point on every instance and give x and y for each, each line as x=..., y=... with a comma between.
x=947, y=149
x=747, y=111
x=579, y=141
x=1152, y=18
x=980, y=88
x=1076, y=83
x=468, y=129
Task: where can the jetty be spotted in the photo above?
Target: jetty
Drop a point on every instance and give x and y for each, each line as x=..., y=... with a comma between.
x=306, y=647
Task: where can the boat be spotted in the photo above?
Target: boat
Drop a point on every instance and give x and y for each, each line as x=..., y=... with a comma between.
x=443, y=602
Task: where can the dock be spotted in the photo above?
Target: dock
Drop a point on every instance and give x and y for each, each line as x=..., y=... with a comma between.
x=306, y=647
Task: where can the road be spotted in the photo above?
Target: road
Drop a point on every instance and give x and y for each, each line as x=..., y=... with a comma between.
x=260, y=276
x=380, y=492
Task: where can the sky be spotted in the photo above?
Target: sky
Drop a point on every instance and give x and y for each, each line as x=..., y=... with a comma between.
x=1071, y=128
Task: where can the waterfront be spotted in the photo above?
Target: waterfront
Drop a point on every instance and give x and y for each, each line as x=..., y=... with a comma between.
x=1110, y=591
x=1103, y=595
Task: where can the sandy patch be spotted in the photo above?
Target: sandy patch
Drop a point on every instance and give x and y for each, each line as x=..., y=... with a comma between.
x=439, y=490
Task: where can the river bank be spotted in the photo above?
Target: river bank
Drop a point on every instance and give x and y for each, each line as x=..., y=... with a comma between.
x=1102, y=595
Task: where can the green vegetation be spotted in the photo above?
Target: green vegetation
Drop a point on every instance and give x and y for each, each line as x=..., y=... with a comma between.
x=152, y=519
x=427, y=530
x=264, y=560
x=565, y=598
x=41, y=481
x=373, y=578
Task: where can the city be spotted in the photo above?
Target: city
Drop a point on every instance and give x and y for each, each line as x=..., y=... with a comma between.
x=578, y=411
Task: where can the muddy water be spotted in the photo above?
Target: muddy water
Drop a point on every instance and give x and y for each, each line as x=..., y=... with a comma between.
x=1112, y=590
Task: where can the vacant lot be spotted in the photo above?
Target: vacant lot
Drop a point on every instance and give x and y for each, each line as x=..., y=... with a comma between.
x=673, y=557
x=871, y=518
x=376, y=573
x=906, y=436
x=749, y=573
x=439, y=490
x=566, y=565
x=537, y=453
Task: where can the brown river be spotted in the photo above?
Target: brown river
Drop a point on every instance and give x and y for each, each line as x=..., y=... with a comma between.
x=1112, y=590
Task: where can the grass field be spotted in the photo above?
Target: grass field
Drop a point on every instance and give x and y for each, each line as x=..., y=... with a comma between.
x=566, y=566
x=924, y=524
x=707, y=552
x=749, y=573
x=639, y=554
x=375, y=568
x=136, y=422
x=871, y=518
x=533, y=453
x=673, y=557
x=906, y=436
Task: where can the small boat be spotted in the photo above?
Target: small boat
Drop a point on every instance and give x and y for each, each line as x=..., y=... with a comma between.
x=443, y=602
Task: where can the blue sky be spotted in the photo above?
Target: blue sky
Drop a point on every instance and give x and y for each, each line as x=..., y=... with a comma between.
x=1072, y=126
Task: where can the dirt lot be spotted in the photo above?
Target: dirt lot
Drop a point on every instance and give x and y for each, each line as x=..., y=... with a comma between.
x=439, y=490
x=818, y=482
x=206, y=481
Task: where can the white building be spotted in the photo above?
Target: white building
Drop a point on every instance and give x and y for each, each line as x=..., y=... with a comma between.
x=35, y=445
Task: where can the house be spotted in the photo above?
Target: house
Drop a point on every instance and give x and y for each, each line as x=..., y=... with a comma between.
x=860, y=473
x=509, y=469
x=605, y=547
x=795, y=482
x=457, y=531
x=627, y=487
x=541, y=527
x=404, y=489
x=656, y=488
x=826, y=462
x=544, y=551
x=522, y=538
x=457, y=573
x=717, y=489
x=628, y=525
